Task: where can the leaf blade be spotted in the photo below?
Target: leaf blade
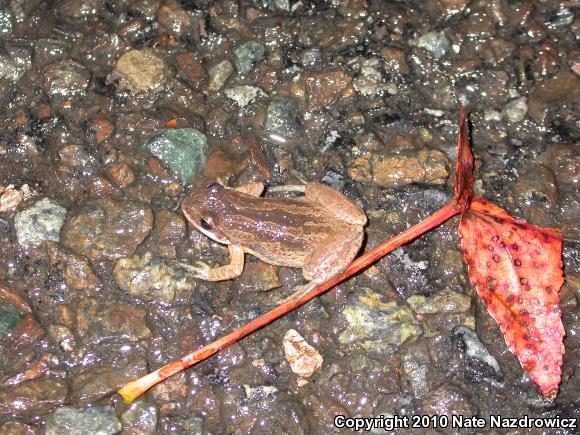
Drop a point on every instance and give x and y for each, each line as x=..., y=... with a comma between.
x=516, y=269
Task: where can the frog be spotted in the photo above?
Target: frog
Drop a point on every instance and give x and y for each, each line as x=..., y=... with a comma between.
x=320, y=232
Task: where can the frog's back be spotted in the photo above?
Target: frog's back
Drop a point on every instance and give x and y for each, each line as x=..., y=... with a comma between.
x=278, y=230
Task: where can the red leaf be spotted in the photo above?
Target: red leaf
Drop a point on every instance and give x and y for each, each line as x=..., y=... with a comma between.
x=516, y=269
x=464, y=165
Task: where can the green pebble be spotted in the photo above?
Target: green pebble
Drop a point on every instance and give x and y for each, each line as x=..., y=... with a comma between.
x=9, y=318
x=183, y=150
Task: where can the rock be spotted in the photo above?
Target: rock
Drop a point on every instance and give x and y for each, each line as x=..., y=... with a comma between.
x=391, y=170
x=283, y=121
x=63, y=337
x=304, y=360
x=560, y=18
x=26, y=333
x=445, y=301
x=515, y=111
x=75, y=156
x=447, y=400
x=244, y=95
x=174, y=18
x=435, y=43
x=377, y=326
x=40, y=222
x=140, y=418
x=323, y=88
x=183, y=150
x=94, y=383
x=169, y=232
x=474, y=348
x=416, y=363
x=259, y=277
x=140, y=71
x=9, y=318
x=395, y=61
x=16, y=428
x=560, y=90
x=105, y=229
x=150, y=279
x=537, y=189
x=32, y=398
x=218, y=75
x=11, y=197
x=310, y=57
x=14, y=61
x=121, y=174
x=76, y=271
x=192, y=70
x=118, y=324
x=98, y=129
x=248, y=54
x=370, y=81
x=256, y=393
x=65, y=78
x=6, y=18
x=72, y=420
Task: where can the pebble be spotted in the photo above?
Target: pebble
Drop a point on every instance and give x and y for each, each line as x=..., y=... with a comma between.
x=105, y=229
x=95, y=382
x=369, y=80
x=322, y=88
x=395, y=61
x=32, y=398
x=447, y=400
x=415, y=365
x=11, y=197
x=65, y=78
x=75, y=156
x=476, y=349
x=6, y=19
x=219, y=74
x=40, y=222
x=435, y=43
x=9, y=318
x=174, y=18
x=121, y=174
x=192, y=70
x=140, y=71
x=243, y=95
x=183, y=150
x=304, y=359
x=377, y=326
x=248, y=54
x=120, y=323
x=14, y=61
x=72, y=420
x=559, y=90
x=149, y=278
x=140, y=418
x=98, y=129
x=283, y=122
x=445, y=301
x=391, y=170
x=76, y=271
x=310, y=57
x=515, y=111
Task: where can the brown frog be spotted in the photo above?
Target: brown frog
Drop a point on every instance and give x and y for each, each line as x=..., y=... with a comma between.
x=321, y=232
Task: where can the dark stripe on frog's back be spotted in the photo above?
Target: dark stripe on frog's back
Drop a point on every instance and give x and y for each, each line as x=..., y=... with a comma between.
x=280, y=231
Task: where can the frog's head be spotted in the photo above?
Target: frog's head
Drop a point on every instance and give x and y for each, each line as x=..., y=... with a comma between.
x=205, y=210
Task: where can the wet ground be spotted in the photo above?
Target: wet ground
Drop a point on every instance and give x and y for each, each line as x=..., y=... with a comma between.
x=113, y=110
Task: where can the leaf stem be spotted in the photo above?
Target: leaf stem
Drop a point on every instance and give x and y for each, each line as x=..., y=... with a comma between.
x=134, y=389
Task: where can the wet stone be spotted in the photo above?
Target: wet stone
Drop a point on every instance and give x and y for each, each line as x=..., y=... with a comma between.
x=183, y=150
x=32, y=398
x=324, y=87
x=65, y=78
x=6, y=21
x=151, y=279
x=9, y=318
x=218, y=75
x=310, y=57
x=474, y=348
x=370, y=81
x=118, y=324
x=140, y=71
x=435, y=43
x=244, y=95
x=248, y=54
x=76, y=271
x=283, y=120
x=105, y=229
x=377, y=326
x=75, y=156
x=140, y=418
x=515, y=111
x=14, y=61
x=304, y=359
x=448, y=400
x=40, y=222
x=445, y=301
x=95, y=383
x=97, y=419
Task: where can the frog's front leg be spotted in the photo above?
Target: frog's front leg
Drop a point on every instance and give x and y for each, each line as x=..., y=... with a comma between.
x=222, y=273
x=335, y=203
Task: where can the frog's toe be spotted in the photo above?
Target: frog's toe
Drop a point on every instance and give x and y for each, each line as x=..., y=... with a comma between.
x=200, y=270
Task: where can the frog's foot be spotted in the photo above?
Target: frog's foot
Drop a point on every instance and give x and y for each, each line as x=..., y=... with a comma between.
x=201, y=270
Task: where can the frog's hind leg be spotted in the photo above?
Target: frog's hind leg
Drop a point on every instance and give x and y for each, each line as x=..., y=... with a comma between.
x=333, y=256
x=253, y=189
x=335, y=203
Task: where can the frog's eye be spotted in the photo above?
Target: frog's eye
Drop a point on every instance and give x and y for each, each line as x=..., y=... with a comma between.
x=206, y=224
